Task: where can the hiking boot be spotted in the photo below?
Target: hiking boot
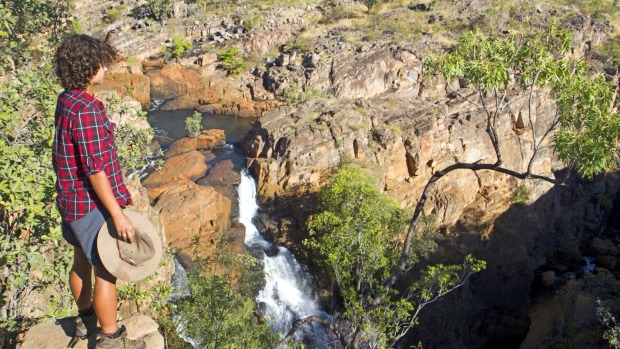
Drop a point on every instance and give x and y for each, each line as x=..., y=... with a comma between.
x=119, y=341
x=85, y=325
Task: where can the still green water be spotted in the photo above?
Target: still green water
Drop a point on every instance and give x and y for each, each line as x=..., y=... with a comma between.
x=170, y=125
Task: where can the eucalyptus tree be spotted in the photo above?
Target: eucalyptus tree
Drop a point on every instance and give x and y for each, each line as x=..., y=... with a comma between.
x=584, y=132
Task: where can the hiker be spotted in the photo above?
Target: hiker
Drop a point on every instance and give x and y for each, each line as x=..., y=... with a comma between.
x=89, y=185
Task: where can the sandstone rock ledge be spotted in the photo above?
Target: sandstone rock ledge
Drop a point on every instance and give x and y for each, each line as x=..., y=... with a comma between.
x=55, y=334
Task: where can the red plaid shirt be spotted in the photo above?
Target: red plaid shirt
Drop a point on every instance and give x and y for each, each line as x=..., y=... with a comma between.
x=84, y=145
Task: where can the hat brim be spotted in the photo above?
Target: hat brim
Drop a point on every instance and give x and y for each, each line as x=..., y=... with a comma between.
x=108, y=252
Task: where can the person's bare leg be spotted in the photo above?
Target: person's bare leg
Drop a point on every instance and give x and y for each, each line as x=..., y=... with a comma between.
x=105, y=300
x=80, y=279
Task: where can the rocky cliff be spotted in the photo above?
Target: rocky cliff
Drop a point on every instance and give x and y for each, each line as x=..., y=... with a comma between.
x=376, y=108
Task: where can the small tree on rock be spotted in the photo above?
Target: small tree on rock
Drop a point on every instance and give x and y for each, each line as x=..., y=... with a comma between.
x=192, y=124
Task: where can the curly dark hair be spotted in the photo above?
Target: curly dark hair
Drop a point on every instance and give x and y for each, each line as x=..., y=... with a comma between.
x=79, y=57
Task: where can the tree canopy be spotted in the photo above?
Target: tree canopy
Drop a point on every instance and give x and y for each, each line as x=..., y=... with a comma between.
x=358, y=237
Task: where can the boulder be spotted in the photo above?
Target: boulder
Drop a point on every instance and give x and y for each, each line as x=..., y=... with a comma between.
x=56, y=334
x=372, y=74
x=607, y=262
x=548, y=278
x=207, y=140
x=208, y=89
x=601, y=271
x=222, y=174
x=188, y=211
x=602, y=247
x=187, y=166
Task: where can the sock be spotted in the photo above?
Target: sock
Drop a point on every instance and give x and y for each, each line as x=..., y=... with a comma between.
x=116, y=334
x=86, y=312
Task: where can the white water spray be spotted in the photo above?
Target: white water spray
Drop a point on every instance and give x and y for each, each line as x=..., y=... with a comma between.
x=180, y=290
x=288, y=294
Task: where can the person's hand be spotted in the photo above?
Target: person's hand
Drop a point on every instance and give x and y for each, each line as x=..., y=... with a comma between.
x=124, y=227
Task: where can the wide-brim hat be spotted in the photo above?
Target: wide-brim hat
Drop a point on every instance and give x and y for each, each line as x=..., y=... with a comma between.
x=135, y=261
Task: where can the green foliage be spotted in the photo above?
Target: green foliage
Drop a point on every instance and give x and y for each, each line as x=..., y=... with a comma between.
x=342, y=11
x=232, y=60
x=131, y=60
x=252, y=19
x=610, y=324
x=21, y=22
x=610, y=50
x=358, y=238
x=221, y=309
x=370, y=4
x=133, y=143
x=192, y=124
x=359, y=223
x=588, y=128
x=563, y=250
x=77, y=27
x=165, y=51
x=521, y=195
x=179, y=45
x=30, y=238
x=160, y=8
x=111, y=15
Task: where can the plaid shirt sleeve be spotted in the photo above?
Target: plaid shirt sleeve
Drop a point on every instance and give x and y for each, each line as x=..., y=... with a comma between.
x=89, y=135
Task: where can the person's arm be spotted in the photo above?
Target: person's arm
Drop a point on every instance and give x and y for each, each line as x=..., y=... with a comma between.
x=90, y=134
x=102, y=188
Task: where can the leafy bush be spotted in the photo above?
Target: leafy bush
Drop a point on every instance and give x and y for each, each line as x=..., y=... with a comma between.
x=192, y=124
x=358, y=238
x=342, y=11
x=221, y=310
x=179, y=45
x=563, y=250
x=111, y=15
x=232, y=59
x=521, y=195
x=160, y=8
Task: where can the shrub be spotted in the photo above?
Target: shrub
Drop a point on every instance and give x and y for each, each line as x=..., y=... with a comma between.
x=521, y=195
x=232, y=59
x=192, y=124
x=160, y=8
x=111, y=15
x=179, y=45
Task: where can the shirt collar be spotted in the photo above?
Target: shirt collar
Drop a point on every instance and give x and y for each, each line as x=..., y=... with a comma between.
x=82, y=94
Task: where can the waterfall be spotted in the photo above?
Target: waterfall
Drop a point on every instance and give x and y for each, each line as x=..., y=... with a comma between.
x=288, y=294
x=180, y=290
x=156, y=103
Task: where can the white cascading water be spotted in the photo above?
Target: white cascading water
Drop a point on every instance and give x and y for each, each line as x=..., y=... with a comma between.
x=288, y=294
x=180, y=290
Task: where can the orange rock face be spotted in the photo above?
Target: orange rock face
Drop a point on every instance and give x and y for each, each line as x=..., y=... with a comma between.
x=136, y=86
x=208, y=139
x=188, y=211
x=187, y=166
